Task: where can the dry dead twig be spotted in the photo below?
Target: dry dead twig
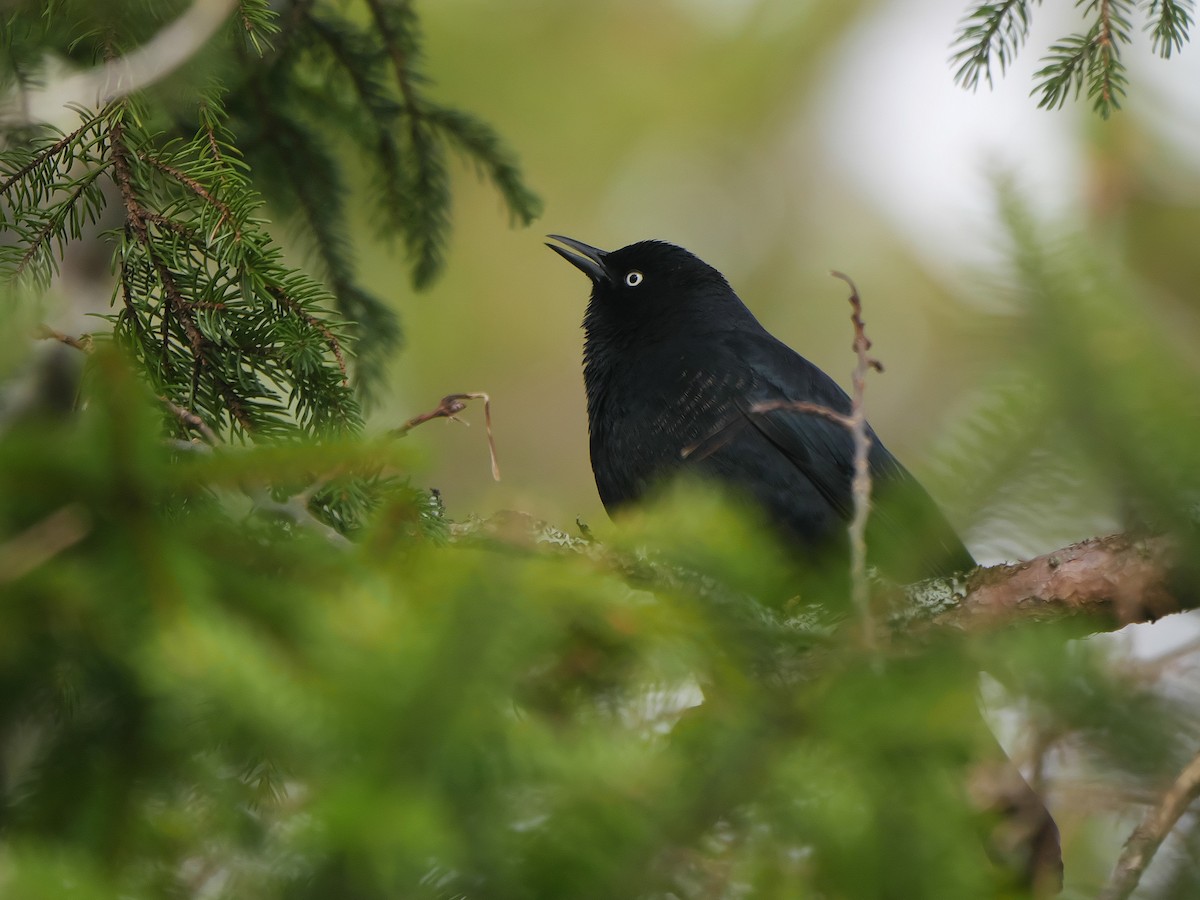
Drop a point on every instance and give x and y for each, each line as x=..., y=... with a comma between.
x=1141, y=846
x=42, y=541
x=191, y=420
x=82, y=343
x=448, y=408
x=860, y=486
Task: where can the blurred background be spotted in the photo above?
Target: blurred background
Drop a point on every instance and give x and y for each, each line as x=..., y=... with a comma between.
x=776, y=141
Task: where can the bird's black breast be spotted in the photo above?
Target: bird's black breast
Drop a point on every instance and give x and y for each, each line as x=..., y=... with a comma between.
x=680, y=407
x=695, y=404
x=645, y=418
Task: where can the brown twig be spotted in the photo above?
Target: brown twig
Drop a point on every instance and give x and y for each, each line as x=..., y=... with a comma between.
x=136, y=218
x=45, y=333
x=1141, y=846
x=1105, y=582
x=860, y=485
x=41, y=542
x=803, y=406
x=191, y=420
x=177, y=228
x=448, y=408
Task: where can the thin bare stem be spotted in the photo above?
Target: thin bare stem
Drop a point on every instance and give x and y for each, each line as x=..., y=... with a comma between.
x=191, y=420
x=448, y=408
x=41, y=542
x=860, y=485
x=45, y=333
x=803, y=406
x=1139, y=850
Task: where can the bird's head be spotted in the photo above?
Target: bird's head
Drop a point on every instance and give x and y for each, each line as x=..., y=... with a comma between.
x=652, y=286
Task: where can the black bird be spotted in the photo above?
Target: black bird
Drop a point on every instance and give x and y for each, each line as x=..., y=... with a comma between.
x=674, y=364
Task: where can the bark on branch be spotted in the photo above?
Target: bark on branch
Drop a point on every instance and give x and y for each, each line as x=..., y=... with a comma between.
x=1117, y=579
x=1108, y=581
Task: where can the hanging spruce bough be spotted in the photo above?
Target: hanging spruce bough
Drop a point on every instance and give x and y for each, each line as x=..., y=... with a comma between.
x=219, y=322
x=992, y=34
x=361, y=75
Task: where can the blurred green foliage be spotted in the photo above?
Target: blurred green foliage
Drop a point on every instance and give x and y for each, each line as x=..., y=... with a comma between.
x=197, y=702
x=202, y=700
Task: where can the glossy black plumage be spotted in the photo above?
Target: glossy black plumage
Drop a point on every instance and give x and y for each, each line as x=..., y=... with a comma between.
x=674, y=364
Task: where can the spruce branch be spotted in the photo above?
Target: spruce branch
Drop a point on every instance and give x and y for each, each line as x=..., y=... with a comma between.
x=192, y=185
x=480, y=144
x=1169, y=23
x=1108, y=78
x=218, y=288
x=1065, y=66
x=60, y=222
x=426, y=211
x=397, y=23
x=423, y=216
x=57, y=151
x=334, y=344
x=990, y=33
x=308, y=177
x=258, y=22
x=50, y=189
x=1092, y=59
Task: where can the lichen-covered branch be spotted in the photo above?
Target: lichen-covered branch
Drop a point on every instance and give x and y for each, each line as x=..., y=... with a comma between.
x=1110, y=581
x=1116, y=580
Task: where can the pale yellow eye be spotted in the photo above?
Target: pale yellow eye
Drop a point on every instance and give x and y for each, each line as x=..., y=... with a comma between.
x=634, y=278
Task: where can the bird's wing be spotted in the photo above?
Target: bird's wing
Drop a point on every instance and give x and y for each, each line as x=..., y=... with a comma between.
x=904, y=514
x=822, y=449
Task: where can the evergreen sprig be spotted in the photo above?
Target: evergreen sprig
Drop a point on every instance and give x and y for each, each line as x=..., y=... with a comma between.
x=222, y=326
x=287, y=70
x=990, y=32
x=328, y=66
x=1092, y=59
x=993, y=33
x=1169, y=24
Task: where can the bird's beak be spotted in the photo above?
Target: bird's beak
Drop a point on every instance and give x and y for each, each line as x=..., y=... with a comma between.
x=590, y=260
